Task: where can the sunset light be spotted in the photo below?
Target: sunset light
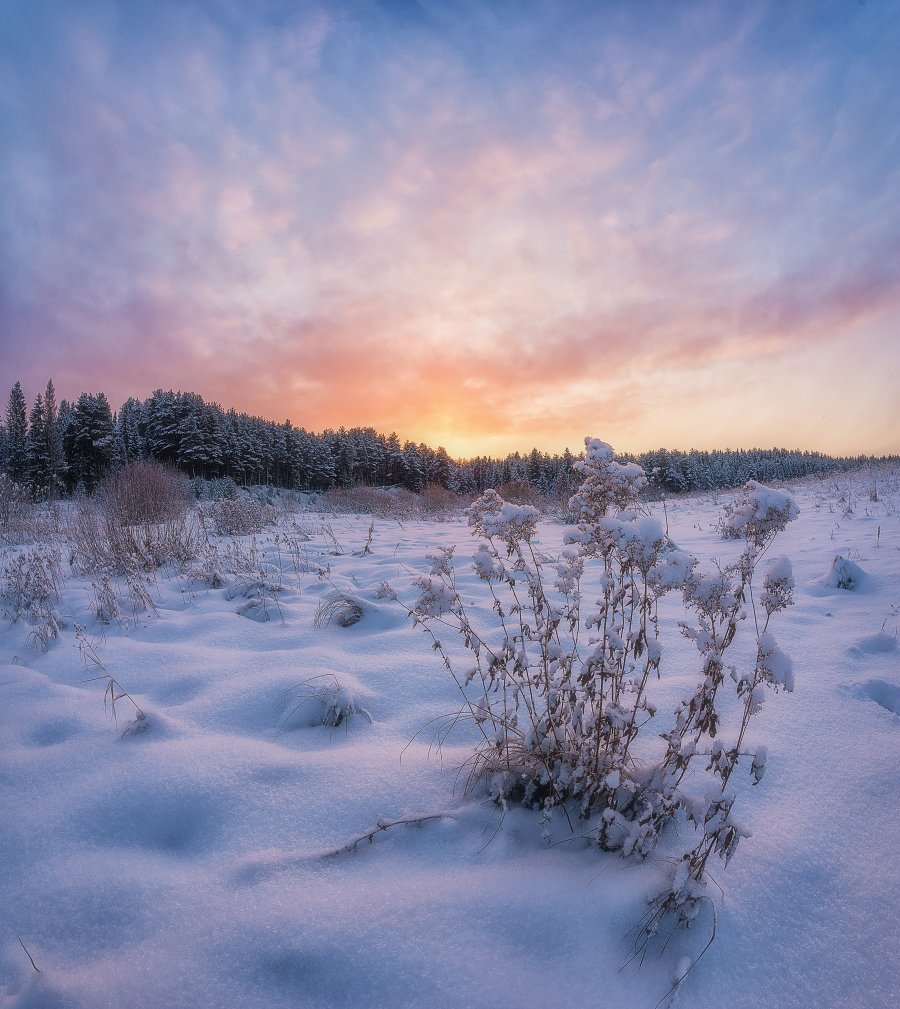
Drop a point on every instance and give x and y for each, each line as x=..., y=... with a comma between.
x=487, y=226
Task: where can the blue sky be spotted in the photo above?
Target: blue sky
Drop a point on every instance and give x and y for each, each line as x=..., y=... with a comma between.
x=488, y=226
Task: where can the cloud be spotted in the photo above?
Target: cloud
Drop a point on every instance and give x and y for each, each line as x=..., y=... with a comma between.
x=442, y=220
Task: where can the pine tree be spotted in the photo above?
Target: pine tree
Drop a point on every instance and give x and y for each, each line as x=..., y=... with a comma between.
x=213, y=425
x=91, y=439
x=192, y=455
x=16, y=435
x=37, y=447
x=56, y=462
x=129, y=430
x=413, y=468
x=393, y=460
x=162, y=419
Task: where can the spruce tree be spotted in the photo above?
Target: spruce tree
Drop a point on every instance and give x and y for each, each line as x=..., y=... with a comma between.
x=129, y=430
x=92, y=439
x=38, y=454
x=192, y=455
x=53, y=437
x=16, y=435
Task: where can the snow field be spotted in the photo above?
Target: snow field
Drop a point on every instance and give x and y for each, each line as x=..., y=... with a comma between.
x=184, y=865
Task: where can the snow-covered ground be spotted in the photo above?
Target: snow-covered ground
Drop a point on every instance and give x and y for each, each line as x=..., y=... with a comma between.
x=187, y=865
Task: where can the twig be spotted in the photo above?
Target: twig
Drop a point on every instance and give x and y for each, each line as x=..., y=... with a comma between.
x=368, y=835
x=30, y=957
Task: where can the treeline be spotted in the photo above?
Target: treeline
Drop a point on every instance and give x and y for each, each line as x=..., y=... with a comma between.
x=57, y=449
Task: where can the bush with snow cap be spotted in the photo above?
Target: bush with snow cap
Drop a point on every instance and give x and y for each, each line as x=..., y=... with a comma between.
x=844, y=574
x=561, y=686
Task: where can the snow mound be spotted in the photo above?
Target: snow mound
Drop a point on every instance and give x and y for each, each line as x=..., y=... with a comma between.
x=881, y=692
x=324, y=700
x=875, y=644
x=844, y=574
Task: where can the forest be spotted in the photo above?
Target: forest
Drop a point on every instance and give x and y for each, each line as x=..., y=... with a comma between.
x=61, y=448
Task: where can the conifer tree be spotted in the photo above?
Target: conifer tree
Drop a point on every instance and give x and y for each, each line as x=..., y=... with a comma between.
x=16, y=435
x=37, y=447
x=56, y=464
x=91, y=439
x=192, y=455
x=129, y=430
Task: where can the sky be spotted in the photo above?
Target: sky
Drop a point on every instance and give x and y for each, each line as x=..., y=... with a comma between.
x=487, y=226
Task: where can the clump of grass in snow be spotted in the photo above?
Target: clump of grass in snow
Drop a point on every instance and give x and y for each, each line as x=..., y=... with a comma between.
x=114, y=692
x=326, y=702
x=339, y=608
x=30, y=589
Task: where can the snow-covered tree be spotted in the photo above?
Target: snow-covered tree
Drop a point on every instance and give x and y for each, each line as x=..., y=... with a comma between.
x=53, y=434
x=90, y=439
x=38, y=449
x=16, y=461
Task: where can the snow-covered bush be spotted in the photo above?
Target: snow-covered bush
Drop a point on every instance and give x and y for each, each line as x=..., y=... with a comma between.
x=755, y=511
x=844, y=574
x=560, y=685
x=214, y=490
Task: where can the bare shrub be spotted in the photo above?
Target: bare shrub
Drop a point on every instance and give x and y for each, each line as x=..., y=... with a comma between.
x=15, y=510
x=144, y=493
x=396, y=503
x=519, y=492
x=523, y=493
x=437, y=502
x=238, y=516
x=560, y=691
x=289, y=501
x=138, y=520
x=101, y=542
x=30, y=589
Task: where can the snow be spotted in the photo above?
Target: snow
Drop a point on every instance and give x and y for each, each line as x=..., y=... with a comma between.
x=194, y=863
x=844, y=575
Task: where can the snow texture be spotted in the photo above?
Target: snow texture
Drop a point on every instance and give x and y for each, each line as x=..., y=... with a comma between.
x=189, y=864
